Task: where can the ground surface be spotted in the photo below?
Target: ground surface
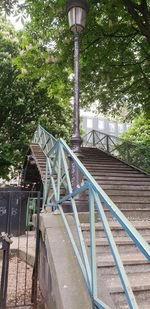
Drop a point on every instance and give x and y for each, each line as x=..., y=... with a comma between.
x=22, y=255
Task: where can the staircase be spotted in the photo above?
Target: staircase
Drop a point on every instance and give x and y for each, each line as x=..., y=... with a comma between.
x=129, y=189
x=39, y=158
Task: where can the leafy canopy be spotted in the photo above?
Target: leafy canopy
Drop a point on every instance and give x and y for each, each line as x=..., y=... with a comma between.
x=115, y=54
x=139, y=135
x=139, y=132
x=23, y=103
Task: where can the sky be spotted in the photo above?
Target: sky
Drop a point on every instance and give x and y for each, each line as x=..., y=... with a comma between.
x=16, y=23
x=14, y=19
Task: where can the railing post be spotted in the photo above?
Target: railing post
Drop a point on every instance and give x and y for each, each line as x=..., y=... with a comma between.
x=93, y=138
x=34, y=291
x=6, y=241
x=128, y=153
x=107, y=143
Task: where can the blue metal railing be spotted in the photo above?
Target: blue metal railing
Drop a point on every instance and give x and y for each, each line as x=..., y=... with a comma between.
x=58, y=190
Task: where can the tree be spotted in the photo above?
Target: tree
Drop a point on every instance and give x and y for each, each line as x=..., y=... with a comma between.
x=116, y=39
x=139, y=132
x=135, y=145
x=23, y=105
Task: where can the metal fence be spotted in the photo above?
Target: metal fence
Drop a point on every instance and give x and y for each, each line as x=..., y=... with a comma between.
x=134, y=154
x=19, y=245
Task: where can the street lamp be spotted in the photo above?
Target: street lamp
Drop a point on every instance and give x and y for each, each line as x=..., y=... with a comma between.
x=76, y=10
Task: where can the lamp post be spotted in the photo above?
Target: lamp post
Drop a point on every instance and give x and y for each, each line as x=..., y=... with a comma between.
x=76, y=10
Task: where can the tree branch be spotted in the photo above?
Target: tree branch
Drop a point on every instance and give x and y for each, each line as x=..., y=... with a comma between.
x=112, y=35
x=134, y=9
x=130, y=64
x=147, y=81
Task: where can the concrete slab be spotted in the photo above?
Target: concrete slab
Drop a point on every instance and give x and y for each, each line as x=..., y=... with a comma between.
x=68, y=289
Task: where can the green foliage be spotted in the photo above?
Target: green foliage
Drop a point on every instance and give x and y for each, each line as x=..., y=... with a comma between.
x=7, y=5
x=136, y=145
x=139, y=132
x=23, y=103
x=115, y=57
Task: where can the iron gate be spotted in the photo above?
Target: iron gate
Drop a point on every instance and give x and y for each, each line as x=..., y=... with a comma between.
x=19, y=246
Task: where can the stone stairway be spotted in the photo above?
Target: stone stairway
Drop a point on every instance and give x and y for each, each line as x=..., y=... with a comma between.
x=136, y=265
x=129, y=189
x=39, y=158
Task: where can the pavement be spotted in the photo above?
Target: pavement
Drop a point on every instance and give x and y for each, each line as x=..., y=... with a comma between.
x=22, y=254
x=24, y=247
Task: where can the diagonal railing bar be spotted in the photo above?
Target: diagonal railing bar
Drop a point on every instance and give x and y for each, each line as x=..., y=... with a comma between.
x=89, y=137
x=74, y=193
x=99, y=140
x=121, y=271
x=51, y=181
x=77, y=222
x=75, y=248
x=45, y=191
x=93, y=243
x=59, y=175
x=58, y=167
x=99, y=304
x=111, y=140
x=117, y=146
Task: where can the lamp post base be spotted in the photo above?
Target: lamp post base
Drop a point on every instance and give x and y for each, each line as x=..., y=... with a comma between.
x=76, y=141
x=76, y=175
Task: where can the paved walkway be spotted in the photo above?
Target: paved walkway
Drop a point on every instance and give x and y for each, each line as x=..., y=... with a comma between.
x=24, y=247
x=22, y=254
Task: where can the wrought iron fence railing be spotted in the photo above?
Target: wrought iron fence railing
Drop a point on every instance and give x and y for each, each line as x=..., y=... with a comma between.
x=137, y=155
x=58, y=190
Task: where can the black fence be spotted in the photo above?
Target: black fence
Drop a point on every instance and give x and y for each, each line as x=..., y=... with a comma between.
x=19, y=245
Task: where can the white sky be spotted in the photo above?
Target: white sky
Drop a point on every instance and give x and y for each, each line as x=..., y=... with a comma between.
x=14, y=19
x=16, y=23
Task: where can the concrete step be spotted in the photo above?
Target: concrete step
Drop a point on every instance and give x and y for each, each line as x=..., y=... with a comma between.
x=130, y=199
x=143, y=227
x=126, y=187
x=122, y=181
x=132, y=214
x=120, y=241
x=97, y=160
x=134, y=262
x=101, y=170
x=114, y=165
x=138, y=205
x=111, y=174
x=136, y=193
x=124, y=244
x=126, y=204
x=140, y=283
x=115, y=225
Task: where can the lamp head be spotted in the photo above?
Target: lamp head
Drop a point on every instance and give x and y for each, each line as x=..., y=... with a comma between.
x=77, y=10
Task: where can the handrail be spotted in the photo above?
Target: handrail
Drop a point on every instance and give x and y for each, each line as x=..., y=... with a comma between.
x=134, y=154
x=57, y=178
